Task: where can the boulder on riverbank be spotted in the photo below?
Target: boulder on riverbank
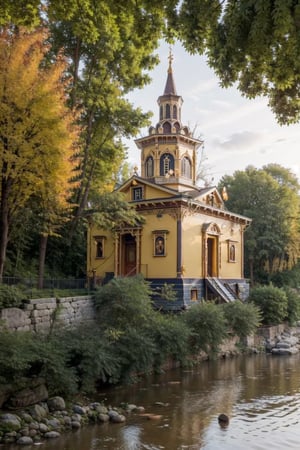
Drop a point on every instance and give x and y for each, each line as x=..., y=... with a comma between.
x=282, y=340
x=49, y=419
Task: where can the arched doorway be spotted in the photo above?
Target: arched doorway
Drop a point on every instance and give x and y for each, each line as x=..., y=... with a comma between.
x=211, y=234
x=127, y=251
x=212, y=256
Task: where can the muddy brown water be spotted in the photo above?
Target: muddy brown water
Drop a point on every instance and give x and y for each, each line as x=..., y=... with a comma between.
x=259, y=393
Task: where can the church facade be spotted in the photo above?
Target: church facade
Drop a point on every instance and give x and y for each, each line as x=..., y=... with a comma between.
x=187, y=239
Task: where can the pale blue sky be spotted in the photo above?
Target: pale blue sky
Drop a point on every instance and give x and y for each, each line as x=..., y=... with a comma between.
x=236, y=131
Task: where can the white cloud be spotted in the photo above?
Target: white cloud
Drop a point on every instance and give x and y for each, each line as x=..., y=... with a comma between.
x=240, y=140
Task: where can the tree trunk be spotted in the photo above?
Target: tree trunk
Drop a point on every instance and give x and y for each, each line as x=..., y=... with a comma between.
x=42, y=258
x=3, y=240
x=4, y=226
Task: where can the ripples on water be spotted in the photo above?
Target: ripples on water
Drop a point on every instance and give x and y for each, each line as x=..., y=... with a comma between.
x=260, y=394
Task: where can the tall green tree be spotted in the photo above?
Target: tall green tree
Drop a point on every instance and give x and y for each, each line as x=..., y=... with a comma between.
x=110, y=46
x=254, y=44
x=270, y=197
x=37, y=135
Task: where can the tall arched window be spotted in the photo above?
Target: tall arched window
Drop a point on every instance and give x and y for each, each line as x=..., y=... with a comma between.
x=167, y=128
x=166, y=163
x=186, y=167
x=174, y=112
x=161, y=113
x=168, y=112
x=149, y=167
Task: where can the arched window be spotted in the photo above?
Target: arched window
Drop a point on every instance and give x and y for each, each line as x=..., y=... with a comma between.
x=174, y=112
x=161, y=113
x=167, y=128
x=176, y=125
x=166, y=163
x=168, y=112
x=149, y=167
x=186, y=167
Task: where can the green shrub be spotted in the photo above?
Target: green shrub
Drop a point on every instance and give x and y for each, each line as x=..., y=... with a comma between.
x=24, y=355
x=143, y=338
x=272, y=302
x=10, y=296
x=293, y=297
x=171, y=335
x=124, y=302
x=207, y=325
x=242, y=318
x=89, y=355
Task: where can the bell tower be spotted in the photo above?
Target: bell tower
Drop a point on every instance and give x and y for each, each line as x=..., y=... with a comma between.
x=168, y=153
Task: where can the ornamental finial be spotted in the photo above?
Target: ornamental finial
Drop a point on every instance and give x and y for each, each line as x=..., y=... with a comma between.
x=170, y=57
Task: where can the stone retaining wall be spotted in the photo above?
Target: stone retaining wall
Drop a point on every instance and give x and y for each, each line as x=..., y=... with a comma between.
x=40, y=315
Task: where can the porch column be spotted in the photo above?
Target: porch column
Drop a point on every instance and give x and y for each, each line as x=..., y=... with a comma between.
x=179, y=248
x=138, y=247
x=117, y=243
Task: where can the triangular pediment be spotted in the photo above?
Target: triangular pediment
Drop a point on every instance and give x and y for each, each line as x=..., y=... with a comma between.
x=209, y=196
x=138, y=189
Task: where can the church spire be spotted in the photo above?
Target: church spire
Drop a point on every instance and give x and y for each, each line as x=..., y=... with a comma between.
x=170, y=88
x=169, y=150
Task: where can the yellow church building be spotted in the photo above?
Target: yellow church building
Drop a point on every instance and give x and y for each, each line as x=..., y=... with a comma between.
x=187, y=239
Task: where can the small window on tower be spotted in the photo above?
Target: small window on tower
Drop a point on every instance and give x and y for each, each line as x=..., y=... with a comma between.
x=186, y=167
x=174, y=112
x=161, y=113
x=168, y=111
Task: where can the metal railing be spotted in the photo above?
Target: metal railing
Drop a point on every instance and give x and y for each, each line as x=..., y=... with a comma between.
x=48, y=283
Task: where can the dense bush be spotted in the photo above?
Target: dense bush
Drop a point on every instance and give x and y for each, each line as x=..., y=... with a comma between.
x=242, y=318
x=172, y=338
x=69, y=360
x=143, y=338
x=10, y=296
x=24, y=355
x=293, y=297
x=272, y=302
x=124, y=303
x=207, y=325
x=90, y=356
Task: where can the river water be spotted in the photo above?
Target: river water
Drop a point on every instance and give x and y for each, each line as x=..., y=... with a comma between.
x=259, y=393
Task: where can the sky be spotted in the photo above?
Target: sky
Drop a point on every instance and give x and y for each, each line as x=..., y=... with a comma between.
x=237, y=132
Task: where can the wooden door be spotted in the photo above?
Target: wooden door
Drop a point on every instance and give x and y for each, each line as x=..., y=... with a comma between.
x=212, y=256
x=129, y=255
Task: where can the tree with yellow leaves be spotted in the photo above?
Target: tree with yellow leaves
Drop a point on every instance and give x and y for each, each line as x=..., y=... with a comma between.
x=38, y=135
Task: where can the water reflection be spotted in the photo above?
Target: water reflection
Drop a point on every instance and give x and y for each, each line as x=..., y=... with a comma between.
x=260, y=394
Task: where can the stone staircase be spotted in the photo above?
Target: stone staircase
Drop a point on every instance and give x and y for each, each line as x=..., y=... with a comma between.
x=220, y=289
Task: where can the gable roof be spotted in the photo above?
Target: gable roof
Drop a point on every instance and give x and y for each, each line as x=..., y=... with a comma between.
x=140, y=180
x=197, y=198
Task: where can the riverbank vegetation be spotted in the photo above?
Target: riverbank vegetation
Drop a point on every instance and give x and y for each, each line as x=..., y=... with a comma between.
x=129, y=338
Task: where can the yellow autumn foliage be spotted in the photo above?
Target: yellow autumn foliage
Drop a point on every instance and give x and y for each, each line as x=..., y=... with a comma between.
x=38, y=135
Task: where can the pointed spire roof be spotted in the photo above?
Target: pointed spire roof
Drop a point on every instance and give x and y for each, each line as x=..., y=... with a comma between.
x=170, y=88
